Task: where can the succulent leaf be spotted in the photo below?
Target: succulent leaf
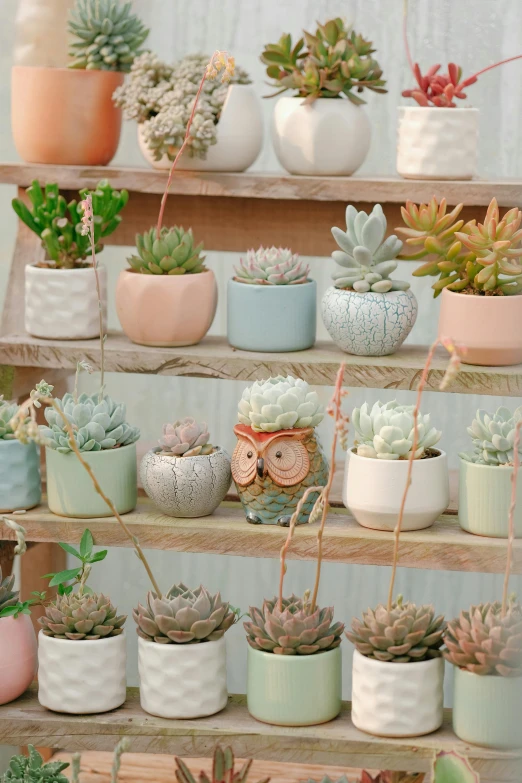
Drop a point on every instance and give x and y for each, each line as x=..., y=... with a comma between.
x=170, y=254
x=279, y=404
x=493, y=437
x=81, y=616
x=272, y=266
x=386, y=431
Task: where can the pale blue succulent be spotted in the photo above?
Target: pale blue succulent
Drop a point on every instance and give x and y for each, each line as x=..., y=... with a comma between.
x=7, y=411
x=386, y=431
x=493, y=437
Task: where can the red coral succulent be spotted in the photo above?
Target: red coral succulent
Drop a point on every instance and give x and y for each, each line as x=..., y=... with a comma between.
x=439, y=89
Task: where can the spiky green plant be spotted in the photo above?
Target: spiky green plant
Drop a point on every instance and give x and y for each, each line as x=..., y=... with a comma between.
x=172, y=254
x=223, y=770
x=31, y=769
x=82, y=616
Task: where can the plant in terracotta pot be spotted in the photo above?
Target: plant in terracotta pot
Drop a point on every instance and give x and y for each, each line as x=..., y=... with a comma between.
x=31, y=769
x=61, y=297
x=20, y=483
x=323, y=129
x=106, y=39
x=271, y=302
x=366, y=312
x=18, y=649
x=227, y=131
x=480, y=276
x=186, y=476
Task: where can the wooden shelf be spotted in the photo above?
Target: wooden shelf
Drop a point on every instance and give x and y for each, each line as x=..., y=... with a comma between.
x=337, y=743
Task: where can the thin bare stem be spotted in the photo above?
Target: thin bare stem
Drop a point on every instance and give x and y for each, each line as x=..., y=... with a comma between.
x=511, y=517
x=100, y=310
x=467, y=81
x=405, y=35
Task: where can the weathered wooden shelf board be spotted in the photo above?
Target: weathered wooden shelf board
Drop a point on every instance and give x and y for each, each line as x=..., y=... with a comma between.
x=336, y=743
x=215, y=358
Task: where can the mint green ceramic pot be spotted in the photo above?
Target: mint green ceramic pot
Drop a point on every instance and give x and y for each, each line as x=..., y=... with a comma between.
x=487, y=710
x=20, y=485
x=70, y=492
x=484, y=498
x=294, y=690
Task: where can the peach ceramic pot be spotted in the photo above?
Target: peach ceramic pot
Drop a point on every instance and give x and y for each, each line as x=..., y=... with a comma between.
x=488, y=326
x=166, y=310
x=65, y=116
x=18, y=656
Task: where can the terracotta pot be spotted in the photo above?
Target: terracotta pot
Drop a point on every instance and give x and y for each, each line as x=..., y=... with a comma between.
x=488, y=326
x=65, y=116
x=166, y=310
x=18, y=656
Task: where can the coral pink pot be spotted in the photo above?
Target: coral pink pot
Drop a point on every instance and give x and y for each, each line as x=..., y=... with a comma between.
x=166, y=310
x=490, y=327
x=65, y=116
x=18, y=656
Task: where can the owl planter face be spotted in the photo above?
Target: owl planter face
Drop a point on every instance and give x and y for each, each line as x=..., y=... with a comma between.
x=278, y=455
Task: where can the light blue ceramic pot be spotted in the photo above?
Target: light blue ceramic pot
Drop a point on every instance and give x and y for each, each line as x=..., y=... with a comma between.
x=20, y=485
x=271, y=318
x=485, y=497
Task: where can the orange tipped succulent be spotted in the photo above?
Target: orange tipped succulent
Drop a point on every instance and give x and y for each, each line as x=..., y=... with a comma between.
x=439, y=89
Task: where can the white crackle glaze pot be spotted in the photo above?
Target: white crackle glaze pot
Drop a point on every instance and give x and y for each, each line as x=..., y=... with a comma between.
x=437, y=143
x=182, y=680
x=368, y=324
x=397, y=699
x=82, y=677
x=62, y=304
x=186, y=486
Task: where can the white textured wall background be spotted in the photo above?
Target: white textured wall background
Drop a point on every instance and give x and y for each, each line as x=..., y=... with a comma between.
x=474, y=33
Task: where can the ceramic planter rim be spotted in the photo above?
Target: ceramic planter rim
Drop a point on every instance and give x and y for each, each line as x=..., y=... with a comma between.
x=307, y=282
x=386, y=664
x=441, y=109
x=173, y=278
x=289, y=658
x=156, y=450
x=489, y=299
x=13, y=440
x=176, y=645
x=76, y=71
x=100, y=452
x=441, y=454
x=61, y=271
x=488, y=467
x=104, y=640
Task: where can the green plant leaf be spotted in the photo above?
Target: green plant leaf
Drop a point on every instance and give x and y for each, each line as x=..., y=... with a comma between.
x=86, y=544
x=98, y=556
x=70, y=549
x=64, y=576
x=449, y=767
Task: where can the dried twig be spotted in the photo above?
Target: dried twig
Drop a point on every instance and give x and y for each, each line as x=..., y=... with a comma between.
x=88, y=228
x=511, y=517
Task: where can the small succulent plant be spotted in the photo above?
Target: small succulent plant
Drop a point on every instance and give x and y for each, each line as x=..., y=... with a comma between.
x=172, y=254
x=31, y=769
x=108, y=35
x=81, y=616
x=223, y=770
x=8, y=596
x=437, y=89
x=185, y=438
x=279, y=404
x=7, y=411
x=407, y=633
x=493, y=437
x=183, y=616
x=366, y=259
x=294, y=629
x=98, y=424
x=272, y=266
x=336, y=63
x=386, y=431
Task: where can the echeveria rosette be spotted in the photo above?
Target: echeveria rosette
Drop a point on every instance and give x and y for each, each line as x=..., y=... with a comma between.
x=185, y=438
x=493, y=437
x=7, y=412
x=387, y=431
x=172, y=254
x=82, y=617
x=272, y=266
x=279, y=404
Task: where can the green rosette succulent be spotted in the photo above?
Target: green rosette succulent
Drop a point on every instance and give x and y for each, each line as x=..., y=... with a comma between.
x=172, y=254
x=387, y=431
x=493, y=437
x=31, y=769
x=82, y=617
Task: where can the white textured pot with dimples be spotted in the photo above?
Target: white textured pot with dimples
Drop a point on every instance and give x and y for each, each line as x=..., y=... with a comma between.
x=62, y=304
x=329, y=137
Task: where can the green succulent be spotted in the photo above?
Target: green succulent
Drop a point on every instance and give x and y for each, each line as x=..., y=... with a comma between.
x=7, y=411
x=172, y=254
x=493, y=437
x=31, y=769
x=8, y=596
x=386, y=431
x=109, y=35
x=82, y=616
x=223, y=770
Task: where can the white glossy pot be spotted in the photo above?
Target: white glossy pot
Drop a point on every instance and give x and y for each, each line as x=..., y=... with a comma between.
x=62, y=304
x=436, y=143
x=81, y=677
x=239, y=136
x=182, y=680
x=397, y=699
x=329, y=137
x=373, y=490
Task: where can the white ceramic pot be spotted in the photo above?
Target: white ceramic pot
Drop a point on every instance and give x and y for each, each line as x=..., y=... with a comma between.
x=368, y=324
x=62, y=304
x=373, y=490
x=186, y=486
x=397, y=699
x=329, y=137
x=239, y=136
x=436, y=143
x=182, y=680
x=81, y=677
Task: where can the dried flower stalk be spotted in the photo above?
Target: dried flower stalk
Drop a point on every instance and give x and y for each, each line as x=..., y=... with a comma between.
x=511, y=517
x=88, y=229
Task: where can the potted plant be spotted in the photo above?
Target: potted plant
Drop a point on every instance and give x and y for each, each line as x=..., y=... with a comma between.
x=186, y=476
x=322, y=130
x=107, y=38
x=61, y=297
x=278, y=455
x=271, y=302
x=31, y=768
x=223, y=769
x=480, y=276
x=377, y=466
x=20, y=483
x=486, y=475
x=228, y=125
x=365, y=312
x=18, y=649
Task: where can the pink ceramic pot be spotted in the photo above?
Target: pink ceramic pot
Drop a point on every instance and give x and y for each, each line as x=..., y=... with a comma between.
x=166, y=310
x=65, y=116
x=18, y=656
x=490, y=327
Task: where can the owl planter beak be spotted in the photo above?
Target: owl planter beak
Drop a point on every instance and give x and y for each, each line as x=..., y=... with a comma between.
x=261, y=467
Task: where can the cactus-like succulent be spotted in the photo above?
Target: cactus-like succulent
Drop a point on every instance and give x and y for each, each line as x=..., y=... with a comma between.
x=406, y=634
x=108, y=35
x=386, y=431
x=8, y=596
x=366, y=259
x=7, y=411
x=172, y=254
x=97, y=424
x=31, y=769
x=279, y=404
x=185, y=438
x=82, y=616
x=272, y=266
x=223, y=770
x=294, y=629
x=483, y=642
x=183, y=616
x=493, y=437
